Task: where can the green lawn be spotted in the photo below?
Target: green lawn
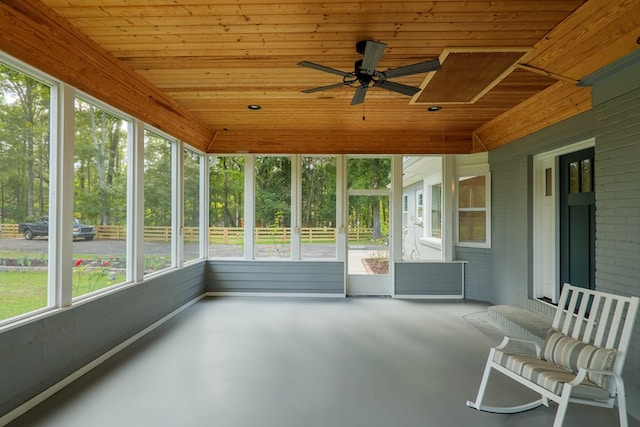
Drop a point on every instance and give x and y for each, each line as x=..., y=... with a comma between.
x=24, y=291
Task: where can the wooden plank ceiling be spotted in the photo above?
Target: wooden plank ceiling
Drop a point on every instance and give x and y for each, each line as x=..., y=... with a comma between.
x=215, y=58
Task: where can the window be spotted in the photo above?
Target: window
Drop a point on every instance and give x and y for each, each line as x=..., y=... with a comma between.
x=226, y=207
x=473, y=213
x=318, y=231
x=422, y=185
x=272, y=207
x=435, y=218
x=405, y=210
x=158, y=202
x=100, y=199
x=25, y=104
x=419, y=219
x=191, y=212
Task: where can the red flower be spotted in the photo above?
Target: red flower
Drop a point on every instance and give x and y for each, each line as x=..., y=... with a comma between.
x=78, y=263
x=106, y=264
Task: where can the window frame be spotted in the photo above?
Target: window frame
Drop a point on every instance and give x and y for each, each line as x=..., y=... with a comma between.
x=420, y=208
x=473, y=171
x=427, y=237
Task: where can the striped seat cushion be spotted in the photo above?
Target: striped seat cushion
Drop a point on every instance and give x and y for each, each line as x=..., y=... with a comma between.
x=547, y=375
x=573, y=354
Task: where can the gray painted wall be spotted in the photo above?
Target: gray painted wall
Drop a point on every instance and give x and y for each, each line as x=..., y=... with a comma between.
x=617, y=171
x=429, y=278
x=615, y=123
x=503, y=273
x=312, y=277
x=477, y=272
x=38, y=354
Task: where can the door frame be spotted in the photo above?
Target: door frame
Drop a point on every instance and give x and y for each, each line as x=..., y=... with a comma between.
x=546, y=221
x=370, y=284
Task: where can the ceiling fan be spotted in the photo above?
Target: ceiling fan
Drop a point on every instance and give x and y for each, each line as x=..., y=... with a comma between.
x=365, y=74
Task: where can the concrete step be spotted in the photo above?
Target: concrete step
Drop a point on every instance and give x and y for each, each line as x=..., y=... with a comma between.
x=521, y=322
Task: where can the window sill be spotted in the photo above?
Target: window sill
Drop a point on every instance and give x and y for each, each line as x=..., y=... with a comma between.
x=431, y=242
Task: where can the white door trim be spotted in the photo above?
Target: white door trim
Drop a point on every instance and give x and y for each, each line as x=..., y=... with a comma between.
x=546, y=263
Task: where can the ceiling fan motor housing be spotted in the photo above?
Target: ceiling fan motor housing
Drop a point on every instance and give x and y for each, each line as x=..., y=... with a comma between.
x=363, y=78
x=360, y=46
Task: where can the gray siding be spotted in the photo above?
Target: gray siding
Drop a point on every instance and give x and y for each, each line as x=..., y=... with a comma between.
x=477, y=272
x=615, y=123
x=503, y=273
x=38, y=354
x=311, y=277
x=618, y=214
x=429, y=279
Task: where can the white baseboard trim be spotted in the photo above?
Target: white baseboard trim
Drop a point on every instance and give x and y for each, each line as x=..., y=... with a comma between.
x=274, y=294
x=41, y=397
x=438, y=297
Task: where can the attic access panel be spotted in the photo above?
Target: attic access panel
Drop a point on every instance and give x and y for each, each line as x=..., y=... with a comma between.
x=467, y=74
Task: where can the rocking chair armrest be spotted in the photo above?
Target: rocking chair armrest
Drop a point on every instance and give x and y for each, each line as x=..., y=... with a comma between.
x=507, y=339
x=582, y=374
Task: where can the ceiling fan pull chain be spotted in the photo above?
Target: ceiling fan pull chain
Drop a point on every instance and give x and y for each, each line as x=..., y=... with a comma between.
x=363, y=111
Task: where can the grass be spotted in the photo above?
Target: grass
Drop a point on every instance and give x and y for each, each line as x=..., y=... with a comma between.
x=21, y=292
x=26, y=290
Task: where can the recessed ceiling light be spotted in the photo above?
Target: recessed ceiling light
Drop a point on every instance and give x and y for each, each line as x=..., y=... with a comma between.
x=254, y=107
x=434, y=108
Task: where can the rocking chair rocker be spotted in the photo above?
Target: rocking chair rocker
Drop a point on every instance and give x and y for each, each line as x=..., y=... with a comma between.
x=581, y=360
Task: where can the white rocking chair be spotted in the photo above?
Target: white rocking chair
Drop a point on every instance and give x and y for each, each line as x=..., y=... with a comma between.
x=582, y=358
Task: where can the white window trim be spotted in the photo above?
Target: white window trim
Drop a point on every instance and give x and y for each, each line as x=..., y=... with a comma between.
x=419, y=216
x=474, y=170
x=427, y=238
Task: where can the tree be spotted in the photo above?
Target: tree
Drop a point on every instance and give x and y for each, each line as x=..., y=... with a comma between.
x=273, y=191
x=100, y=167
x=157, y=180
x=191, y=189
x=370, y=173
x=226, y=191
x=24, y=142
x=318, y=191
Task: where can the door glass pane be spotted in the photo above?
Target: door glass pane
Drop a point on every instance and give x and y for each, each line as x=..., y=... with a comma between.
x=273, y=207
x=24, y=192
x=191, y=205
x=100, y=199
x=368, y=235
x=574, y=178
x=586, y=177
x=226, y=206
x=318, y=208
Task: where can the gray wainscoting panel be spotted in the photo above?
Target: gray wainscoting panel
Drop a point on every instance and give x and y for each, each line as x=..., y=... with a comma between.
x=36, y=355
x=429, y=279
x=310, y=277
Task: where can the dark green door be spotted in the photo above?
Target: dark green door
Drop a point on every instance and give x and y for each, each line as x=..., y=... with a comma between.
x=577, y=219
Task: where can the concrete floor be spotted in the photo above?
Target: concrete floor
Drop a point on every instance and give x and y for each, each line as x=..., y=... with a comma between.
x=235, y=362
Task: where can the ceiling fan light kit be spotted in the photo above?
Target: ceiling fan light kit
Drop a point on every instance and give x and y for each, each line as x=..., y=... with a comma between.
x=365, y=74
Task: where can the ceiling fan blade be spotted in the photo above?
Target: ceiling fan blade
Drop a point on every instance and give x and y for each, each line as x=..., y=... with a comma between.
x=322, y=68
x=318, y=89
x=398, y=87
x=421, y=67
x=358, y=97
x=372, y=53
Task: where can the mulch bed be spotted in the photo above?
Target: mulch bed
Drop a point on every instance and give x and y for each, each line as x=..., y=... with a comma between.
x=376, y=265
